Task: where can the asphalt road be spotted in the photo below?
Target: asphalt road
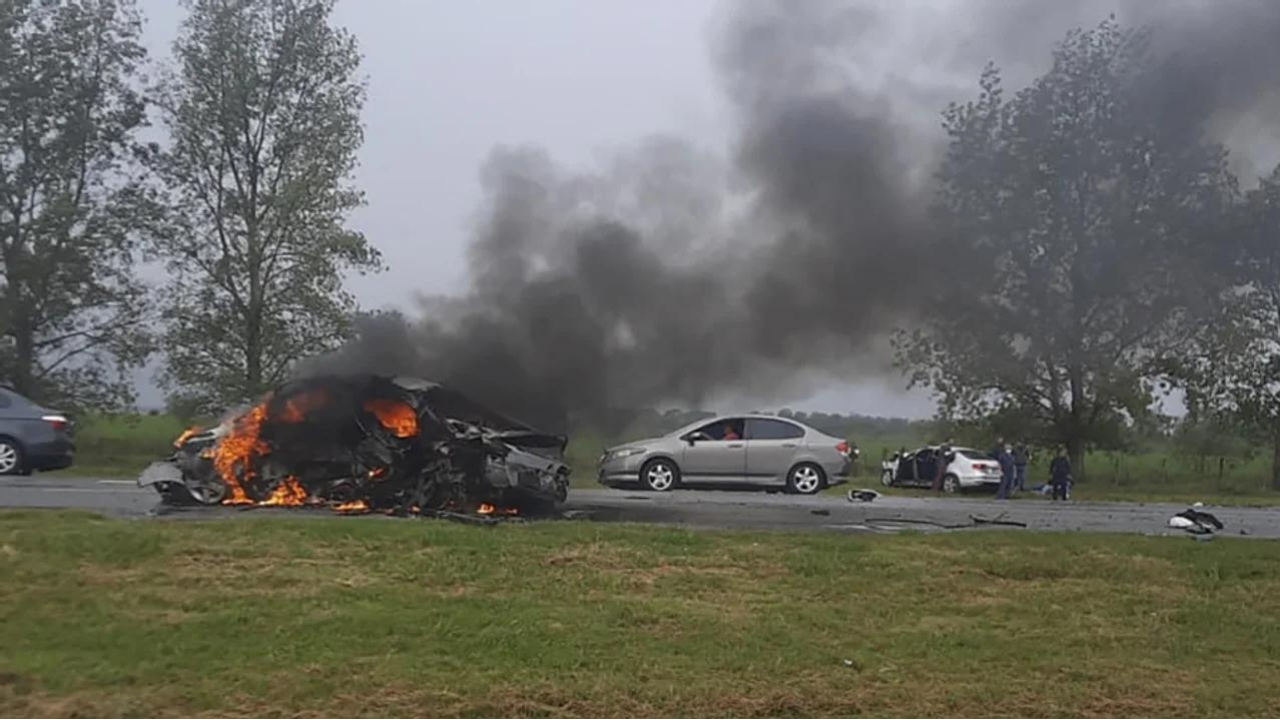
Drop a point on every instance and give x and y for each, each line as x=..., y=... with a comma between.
x=719, y=509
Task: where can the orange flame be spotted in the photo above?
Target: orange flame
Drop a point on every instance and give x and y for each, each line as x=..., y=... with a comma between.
x=395, y=416
x=487, y=509
x=185, y=436
x=355, y=506
x=288, y=493
x=236, y=451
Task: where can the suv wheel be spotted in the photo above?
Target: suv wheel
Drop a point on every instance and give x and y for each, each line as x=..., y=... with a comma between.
x=10, y=457
x=660, y=475
x=805, y=479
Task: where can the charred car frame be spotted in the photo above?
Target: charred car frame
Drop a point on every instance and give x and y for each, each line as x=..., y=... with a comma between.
x=367, y=443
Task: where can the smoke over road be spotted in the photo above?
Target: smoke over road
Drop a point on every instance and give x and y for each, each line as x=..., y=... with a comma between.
x=669, y=273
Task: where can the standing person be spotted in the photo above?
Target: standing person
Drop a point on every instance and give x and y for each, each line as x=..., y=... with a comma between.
x=1021, y=458
x=942, y=461
x=1005, y=457
x=1060, y=476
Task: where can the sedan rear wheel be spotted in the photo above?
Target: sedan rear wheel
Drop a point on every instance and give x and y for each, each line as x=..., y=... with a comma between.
x=951, y=484
x=10, y=457
x=660, y=475
x=805, y=479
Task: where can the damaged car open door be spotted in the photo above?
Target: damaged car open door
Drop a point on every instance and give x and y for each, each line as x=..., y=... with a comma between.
x=716, y=453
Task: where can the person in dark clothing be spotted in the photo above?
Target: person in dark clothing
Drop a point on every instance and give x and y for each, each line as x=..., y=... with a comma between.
x=1005, y=457
x=1021, y=458
x=942, y=459
x=1060, y=476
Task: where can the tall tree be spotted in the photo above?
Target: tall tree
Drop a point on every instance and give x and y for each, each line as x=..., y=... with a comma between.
x=1235, y=375
x=72, y=317
x=264, y=113
x=1070, y=219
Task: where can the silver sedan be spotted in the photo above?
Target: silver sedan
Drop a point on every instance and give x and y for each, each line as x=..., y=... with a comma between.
x=736, y=449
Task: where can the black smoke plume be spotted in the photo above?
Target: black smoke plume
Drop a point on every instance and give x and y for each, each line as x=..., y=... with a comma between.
x=669, y=275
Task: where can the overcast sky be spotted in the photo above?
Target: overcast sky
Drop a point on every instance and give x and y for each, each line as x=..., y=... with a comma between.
x=447, y=81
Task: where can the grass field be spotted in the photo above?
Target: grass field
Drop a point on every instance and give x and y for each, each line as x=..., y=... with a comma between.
x=121, y=445
x=343, y=617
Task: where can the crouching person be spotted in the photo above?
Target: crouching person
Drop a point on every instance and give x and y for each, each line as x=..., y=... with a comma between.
x=1060, y=476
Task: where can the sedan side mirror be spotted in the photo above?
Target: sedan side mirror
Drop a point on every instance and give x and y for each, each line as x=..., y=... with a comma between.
x=696, y=437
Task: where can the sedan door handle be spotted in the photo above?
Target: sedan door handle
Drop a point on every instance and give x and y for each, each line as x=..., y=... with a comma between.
x=734, y=445
x=789, y=445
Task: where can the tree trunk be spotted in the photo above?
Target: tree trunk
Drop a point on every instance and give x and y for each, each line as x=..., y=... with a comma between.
x=1275, y=462
x=253, y=358
x=24, y=359
x=1075, y=453
x=1075, y=443
x=21, y=329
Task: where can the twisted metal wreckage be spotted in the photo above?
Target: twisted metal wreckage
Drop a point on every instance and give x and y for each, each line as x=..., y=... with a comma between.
x=367, y=443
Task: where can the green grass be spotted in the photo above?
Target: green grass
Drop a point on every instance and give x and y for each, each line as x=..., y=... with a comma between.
x=122, y=445
x=346, y=617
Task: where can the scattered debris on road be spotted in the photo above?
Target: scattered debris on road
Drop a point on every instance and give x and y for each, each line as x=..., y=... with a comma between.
x=360, y=444
x=1196, y=521
x=862, y=495
x=997, y=520
x=974, y=521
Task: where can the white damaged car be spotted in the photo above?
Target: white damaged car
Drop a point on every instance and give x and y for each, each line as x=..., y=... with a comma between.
x=965, y=468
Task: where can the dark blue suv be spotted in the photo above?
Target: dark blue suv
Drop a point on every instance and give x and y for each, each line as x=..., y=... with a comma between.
x=31, y=437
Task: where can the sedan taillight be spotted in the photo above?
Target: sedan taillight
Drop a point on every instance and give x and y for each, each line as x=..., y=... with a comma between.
x=57, y=421
x=842, y=447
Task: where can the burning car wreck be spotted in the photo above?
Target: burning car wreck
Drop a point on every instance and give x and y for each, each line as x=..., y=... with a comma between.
x=367, y=443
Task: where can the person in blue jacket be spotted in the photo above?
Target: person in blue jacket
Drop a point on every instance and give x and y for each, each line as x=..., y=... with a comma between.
x=1005, y=457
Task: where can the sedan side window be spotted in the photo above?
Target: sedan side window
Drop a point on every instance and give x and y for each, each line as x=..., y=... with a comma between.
x=772, y=430
x=730, y=429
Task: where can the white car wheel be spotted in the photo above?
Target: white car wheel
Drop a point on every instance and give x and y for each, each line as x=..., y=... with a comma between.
x=10, y=457
x=951, y=484
x=805, y=479
x=660, y=475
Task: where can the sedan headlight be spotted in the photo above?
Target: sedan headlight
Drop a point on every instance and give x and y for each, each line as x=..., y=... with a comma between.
x=622, y=453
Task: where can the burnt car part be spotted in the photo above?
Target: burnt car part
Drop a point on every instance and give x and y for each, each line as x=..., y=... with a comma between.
x=357, y=443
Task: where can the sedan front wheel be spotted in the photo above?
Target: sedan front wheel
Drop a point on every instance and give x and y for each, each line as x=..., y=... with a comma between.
x=660, y=475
